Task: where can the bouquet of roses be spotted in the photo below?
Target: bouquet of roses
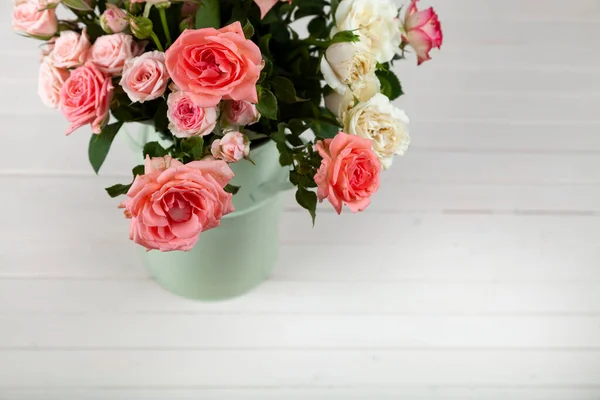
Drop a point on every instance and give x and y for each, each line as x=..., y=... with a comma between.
x=217, y=77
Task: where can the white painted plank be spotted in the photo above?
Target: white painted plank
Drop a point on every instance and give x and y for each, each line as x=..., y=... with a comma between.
x=70, y=296
x=429, y=392
x=415, y=167
x=302, y=368
x=526, y=229
x=506, y=136
x=149, y=332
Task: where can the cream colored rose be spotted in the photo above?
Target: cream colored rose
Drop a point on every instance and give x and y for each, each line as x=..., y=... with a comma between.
x=346, y=63
x=377, y=24
x=360, y=92
x=386, y=125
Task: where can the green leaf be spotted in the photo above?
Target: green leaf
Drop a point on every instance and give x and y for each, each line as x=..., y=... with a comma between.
x=232, y=189
x=390, y=85
x=209, y=14
x=307, y=200
x=118, y=190
x=264, y=45
x=324, y=129
x=80, y=5
x=345, y=36
x=154, y=149
x=267, y=103
x=285, y=155
x=194, y=146
x=285, y=91
x=102, y=6
x=317, y=27
x=248, y=30
x=100, y=145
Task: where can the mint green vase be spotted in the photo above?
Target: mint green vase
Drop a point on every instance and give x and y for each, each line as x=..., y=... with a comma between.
x=240, y=254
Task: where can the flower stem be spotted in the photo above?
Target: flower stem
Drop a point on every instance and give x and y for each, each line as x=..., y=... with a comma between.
x=157, y=42
x=163, y=19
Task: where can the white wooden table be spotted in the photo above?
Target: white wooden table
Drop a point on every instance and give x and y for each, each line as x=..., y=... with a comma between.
x=474, y=275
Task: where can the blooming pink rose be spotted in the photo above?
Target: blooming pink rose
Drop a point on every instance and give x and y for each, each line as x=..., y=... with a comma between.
x=232, y=148
x=172, y=204
x=110, y=52
x=186, y=118
x=85, y=98
x=113, y=19
x=349, y=172
x=51, y=80
x=215, y=64
x=423, y=31
x=29, y=17
x=70, y=49
x=145, y=77
x=266, y=5
x=239, y=113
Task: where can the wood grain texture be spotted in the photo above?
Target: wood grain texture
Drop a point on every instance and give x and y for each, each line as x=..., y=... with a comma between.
x=475, y=273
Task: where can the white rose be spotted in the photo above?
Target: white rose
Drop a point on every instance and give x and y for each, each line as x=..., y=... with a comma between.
x=360, y=91
x=386, y=125
x=376, y=22
x=51, y=80
x=346, y=63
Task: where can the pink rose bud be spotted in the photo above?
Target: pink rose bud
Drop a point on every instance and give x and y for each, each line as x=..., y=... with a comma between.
x=422, y=31
x=200, y=63
x=187, y=118
x=234, y=147
x=85, y=98
x=145, y=77
x=189, y=9
x=51, y=80
x=34, y=19
x=110, y=52
x=239, y=113
x=349, y=172
x=114, y=20
x=70, y=49
x=172, y=204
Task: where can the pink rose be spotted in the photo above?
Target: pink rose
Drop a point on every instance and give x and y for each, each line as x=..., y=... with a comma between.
x=145, y=77
x=172, y=204
x=349, y=172
x=423, y=31
x=114, y=20
x=70, y=49
x=266, y=5
x=232, y=148
x=215, y=64
x=85, y=98
x=186, y=118
x=239, y=113
x=28, y=19
x=51, y=80
x=110, y=52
